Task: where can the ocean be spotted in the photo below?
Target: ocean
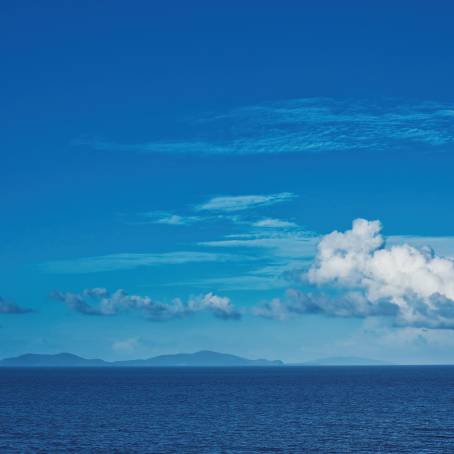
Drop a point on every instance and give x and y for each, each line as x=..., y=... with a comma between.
x=228, y=410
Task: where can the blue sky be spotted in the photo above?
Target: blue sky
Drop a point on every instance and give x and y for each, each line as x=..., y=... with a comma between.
x=171, y=171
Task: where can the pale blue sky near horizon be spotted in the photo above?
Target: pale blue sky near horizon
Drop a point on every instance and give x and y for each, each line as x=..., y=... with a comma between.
x=194, y=153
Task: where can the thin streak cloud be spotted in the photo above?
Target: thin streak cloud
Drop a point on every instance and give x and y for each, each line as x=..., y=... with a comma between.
x=244, y=202
x=114, y=262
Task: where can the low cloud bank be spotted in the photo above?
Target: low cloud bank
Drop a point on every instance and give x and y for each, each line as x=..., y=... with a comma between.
x=99, y=301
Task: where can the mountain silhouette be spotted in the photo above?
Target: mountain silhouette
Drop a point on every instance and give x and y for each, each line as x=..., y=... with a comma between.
x=203, y=358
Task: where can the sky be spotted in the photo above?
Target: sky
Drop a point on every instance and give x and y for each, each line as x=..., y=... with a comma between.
x=268, y=179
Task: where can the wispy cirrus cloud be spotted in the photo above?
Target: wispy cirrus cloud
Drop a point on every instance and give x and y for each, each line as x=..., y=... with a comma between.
x=238, y=209
x=244, y=202
x=247, y=281
x=164, y=147
x=279, y=244
x=187, y=219
x=10, y=307
x=125, y=261
x=280, y=256
x=217, y=209
x=101, y=302
x=311, y=125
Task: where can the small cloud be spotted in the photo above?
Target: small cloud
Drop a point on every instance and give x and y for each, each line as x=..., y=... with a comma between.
x=126, y=345
x=274, y=223
x=173, y=219
x=9, y=307
x=273, y=309
x=244, y=202
x=159, y=217
x=220, y=306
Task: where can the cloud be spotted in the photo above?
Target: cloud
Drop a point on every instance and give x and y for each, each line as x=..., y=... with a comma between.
x=114, y=262
x=220, y=306
x=273, y=309
x=162, y=217
x=9, y=307
x=100, y=302
x=164, y=147
x=282, y=244
x=296, y=302
x=274, y=275
x=280, y=255
x=413, y=285
x=274, y=223
x=283, y=255
x=247, y=281
x=225, y=207
x=310, y=125
x=173, y=219
x=244, y=202
x=126, y=345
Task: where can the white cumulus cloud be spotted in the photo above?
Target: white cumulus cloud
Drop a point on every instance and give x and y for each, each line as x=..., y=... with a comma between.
x=413, y=284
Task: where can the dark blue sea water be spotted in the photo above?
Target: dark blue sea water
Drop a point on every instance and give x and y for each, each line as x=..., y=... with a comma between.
x=307, y=409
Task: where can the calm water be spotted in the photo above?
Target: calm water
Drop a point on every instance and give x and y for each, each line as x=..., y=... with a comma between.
x=339, y=409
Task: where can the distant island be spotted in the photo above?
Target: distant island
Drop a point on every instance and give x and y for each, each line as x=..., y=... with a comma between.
x=204, y=358
x=199, y=359
x=58, y=360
